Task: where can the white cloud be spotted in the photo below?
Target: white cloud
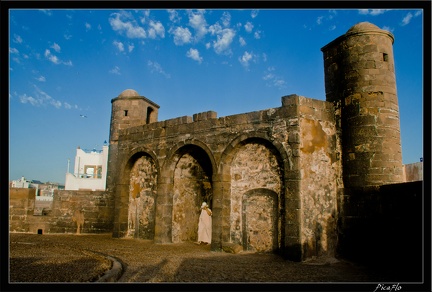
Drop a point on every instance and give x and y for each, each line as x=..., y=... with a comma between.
x=41, y=79
x=388, y=28
x=51, y=57
x=257, y=34
x=198, y=23
x=242, y=41
x=215, y=28
x=46, y=11
x=119, y=45
x=67, y=105
x=131, y=47
x=156, y=67
x=332, y=27
x=115, y=70
x=254, y=13
x=224, y=40
x=17, y=39
x=28, y=99
x=173, y=15
x=55, y=59
x=181, y=36
x=56, y=47
x=372, y=12
x=13, y=51
x=194, y=55
x=121, y=24
x=41, y=98
x=248, y=26
x=319, y=19
x=272, y=79
x=156, y=28
x=226, y=18
x=244, y=60
x=56, y=103
x=407, y=19
x=67, y=36
x=88, y=26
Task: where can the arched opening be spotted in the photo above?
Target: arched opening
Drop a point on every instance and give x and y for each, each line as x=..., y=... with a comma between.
x=192, y=186
x=142, y=197
x=150, y=111
x=257, y=199
x=259, y=220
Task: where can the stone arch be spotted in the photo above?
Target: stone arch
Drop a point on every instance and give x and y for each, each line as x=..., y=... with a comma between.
x=137, y=194
x=188, y=181
x=287, y=208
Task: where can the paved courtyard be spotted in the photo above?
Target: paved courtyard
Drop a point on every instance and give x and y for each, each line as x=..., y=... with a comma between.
x=101, y=258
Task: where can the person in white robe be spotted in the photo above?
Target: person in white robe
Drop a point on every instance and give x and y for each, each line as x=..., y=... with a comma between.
x=205, y=225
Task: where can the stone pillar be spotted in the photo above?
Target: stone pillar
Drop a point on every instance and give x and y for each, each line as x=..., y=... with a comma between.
x=360, y=80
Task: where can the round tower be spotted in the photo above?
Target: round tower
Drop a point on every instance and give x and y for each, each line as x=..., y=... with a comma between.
x=129, y=109
x=360, y=80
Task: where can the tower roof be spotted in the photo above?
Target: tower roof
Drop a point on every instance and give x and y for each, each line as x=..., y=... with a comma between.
x=363, y=26
x=128, y=93
x=367, y=28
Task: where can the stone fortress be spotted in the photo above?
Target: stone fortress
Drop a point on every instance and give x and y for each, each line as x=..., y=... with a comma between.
x=273, y=178
x=296, y=179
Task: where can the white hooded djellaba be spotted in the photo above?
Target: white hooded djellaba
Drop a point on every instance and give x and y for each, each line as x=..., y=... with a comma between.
x=205, y=224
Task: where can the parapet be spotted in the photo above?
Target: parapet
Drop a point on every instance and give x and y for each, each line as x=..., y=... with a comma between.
x=204, y=116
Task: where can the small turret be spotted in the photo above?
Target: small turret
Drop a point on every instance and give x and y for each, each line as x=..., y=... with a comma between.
x=130, y=109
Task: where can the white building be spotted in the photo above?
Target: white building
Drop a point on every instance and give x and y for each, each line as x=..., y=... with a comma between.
x=21, y=183
x=90, y=170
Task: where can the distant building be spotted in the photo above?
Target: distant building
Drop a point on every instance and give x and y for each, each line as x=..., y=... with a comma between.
x=21, y=183
x=42, y=189
x=90, y=170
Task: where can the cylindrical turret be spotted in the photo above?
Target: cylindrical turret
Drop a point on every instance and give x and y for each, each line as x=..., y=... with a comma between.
x=129, y=109
x=360, y=80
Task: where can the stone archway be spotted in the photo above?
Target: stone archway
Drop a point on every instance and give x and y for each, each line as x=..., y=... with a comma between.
x=256, y=195
x=191, y=186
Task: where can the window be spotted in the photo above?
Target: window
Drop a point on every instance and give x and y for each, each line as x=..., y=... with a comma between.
x=149, y=114
x=92, y=171
x=385, y=57
x=126, y=113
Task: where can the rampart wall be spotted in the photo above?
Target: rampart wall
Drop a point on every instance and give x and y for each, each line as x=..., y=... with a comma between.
x=95, y=206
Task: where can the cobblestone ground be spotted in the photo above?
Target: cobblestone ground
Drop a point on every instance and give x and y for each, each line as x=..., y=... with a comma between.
x=81, y=258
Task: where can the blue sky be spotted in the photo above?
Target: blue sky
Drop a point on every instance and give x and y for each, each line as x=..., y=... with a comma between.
x=67, y=63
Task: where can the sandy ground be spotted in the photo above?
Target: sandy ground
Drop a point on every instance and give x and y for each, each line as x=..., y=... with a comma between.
x=83, y=258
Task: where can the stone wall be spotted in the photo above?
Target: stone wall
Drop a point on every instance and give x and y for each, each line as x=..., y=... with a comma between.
x=384, y=225
x=321, y=169
x=94, y=208
x=21, y=208
x=262, y=173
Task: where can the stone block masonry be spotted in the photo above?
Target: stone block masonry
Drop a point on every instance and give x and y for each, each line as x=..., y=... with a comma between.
x=96, y=208
x=252, y=169
x=288, y=179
